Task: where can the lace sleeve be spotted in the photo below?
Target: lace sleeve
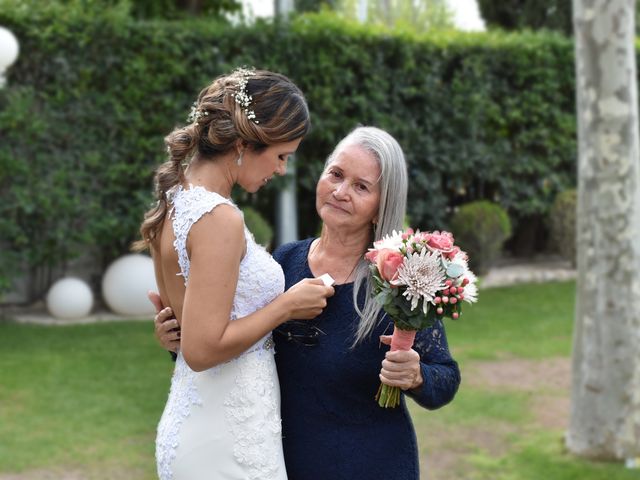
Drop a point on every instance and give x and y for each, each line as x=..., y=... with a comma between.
x=439, y=370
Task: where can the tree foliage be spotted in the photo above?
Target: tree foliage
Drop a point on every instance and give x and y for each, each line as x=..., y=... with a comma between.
x=303, y=6
x=170, y=9
x=534, y=14
x=139, y=9
x=416, y=15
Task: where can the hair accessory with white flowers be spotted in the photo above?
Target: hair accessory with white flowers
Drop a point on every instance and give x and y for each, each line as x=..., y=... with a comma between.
x=196, y=114
x=241, y=95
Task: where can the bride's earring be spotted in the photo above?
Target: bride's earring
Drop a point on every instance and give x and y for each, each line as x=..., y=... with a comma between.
x=239, y=160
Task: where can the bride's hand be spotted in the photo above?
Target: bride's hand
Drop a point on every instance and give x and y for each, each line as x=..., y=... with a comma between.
x=307, y=298
x=167, y=330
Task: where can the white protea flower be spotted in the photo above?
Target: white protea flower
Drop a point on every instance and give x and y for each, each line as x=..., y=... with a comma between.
x=471, y=289
x=393, y=241
x=423, y=276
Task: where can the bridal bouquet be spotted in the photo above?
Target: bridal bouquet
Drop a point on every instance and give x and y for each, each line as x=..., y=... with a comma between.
x=418, y=278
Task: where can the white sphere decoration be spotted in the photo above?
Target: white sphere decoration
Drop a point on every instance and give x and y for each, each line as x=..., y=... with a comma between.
x=125, y=285
x=8, y=51
x=69, y=298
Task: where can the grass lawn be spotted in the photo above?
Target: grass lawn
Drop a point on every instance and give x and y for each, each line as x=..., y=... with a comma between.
x=72, y=398
x=509, y=417
x=73, y=404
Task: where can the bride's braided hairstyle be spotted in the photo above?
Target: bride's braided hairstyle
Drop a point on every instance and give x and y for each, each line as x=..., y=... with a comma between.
x=258, y=107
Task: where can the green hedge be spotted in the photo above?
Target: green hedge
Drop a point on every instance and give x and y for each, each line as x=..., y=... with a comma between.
x=562, y=225
x=480, y=116
x=481, y=229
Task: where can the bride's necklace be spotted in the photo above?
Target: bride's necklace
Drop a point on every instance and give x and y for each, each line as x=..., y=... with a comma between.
x=313, y=249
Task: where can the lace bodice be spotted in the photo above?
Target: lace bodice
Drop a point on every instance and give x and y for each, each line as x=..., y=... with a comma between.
x=260, y=279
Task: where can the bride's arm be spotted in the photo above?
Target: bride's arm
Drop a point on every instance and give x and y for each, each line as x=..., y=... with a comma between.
x=216, y=244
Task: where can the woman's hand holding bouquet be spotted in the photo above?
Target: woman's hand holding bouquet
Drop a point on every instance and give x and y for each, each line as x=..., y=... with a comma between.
x=418, y=278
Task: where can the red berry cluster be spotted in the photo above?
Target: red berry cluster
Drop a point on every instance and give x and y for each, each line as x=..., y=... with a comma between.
x=450, y=296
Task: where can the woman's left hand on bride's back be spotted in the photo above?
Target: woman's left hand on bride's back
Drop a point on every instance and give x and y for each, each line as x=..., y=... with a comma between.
x=166, y=326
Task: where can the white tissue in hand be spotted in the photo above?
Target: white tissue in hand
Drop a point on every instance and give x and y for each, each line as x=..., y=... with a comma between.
x=327, y=279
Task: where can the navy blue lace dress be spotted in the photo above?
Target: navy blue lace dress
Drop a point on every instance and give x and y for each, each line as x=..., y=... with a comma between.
x=333, y=428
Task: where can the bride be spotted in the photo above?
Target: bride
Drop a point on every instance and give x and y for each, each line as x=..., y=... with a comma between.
x=222, y=417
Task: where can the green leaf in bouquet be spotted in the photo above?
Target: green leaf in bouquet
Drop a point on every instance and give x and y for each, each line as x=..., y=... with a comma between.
x=375, y=274
x=403, y=324
x=382, y=297
x=392, y=310
x=415, y=323
x=404, y=305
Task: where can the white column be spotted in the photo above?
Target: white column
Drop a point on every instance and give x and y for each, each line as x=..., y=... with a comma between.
x=284, y=7
x=286, y=211
x=363, y=6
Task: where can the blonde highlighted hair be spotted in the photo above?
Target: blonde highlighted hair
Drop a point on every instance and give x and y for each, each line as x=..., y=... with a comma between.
x=281, y=115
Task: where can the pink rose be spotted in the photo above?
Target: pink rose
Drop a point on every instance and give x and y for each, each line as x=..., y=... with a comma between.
x=423, y=237
x=452, y=253
x=388, y=261
x=371, y=255
x=442, y=241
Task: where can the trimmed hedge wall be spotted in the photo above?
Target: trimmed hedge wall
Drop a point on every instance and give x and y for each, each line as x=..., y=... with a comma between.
x=480, y=116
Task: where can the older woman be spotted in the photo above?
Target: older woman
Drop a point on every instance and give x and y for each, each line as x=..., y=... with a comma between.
x=330, y=367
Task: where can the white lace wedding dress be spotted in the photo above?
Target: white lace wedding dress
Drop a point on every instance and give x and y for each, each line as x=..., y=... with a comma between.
x=224, y=423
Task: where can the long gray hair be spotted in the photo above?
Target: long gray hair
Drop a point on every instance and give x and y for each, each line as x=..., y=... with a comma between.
x=391, y=211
